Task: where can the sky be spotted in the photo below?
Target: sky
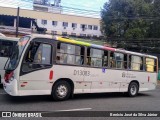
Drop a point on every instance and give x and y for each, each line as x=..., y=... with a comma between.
x=84, y=4
x=27, y=4
x=91, y=5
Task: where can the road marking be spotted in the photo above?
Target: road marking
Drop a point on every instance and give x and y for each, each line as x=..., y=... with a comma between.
x=79, y=109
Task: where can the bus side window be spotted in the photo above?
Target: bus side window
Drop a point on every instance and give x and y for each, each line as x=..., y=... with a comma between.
x=38, y=56
x=136, y=62
x=125, y=61
x=150, y=64
x=155, y=65
x=95, y=57
x=60, y=54
x=31, y=53
x=70, y=54
x=88, y=60
x=105, y=59
x=79, y=52
x=112, y=60
x=119, y=60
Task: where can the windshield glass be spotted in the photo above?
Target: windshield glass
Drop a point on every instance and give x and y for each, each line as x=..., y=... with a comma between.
x=16, y=54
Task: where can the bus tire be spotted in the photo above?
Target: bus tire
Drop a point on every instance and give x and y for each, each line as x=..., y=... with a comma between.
x=133, y=89
x=61, y=91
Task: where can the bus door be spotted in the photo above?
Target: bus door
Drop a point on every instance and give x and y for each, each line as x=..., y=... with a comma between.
x=36, y=68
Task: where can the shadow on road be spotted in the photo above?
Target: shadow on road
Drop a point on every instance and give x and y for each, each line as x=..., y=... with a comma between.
x=27, y=99
x=106, y=96
x=46, y=98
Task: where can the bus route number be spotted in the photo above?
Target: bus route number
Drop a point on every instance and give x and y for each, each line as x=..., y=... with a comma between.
x=81, y=72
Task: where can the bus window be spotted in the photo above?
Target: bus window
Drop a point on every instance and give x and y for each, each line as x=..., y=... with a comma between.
x=117, y=60
x=150, y=64
x=112, y=60
x=95, y=57
x=38, y=54
x=155, y=65
x=6, y=48
x=105, y=59
x=125, y=61
x=136, y=62
x=70, y=54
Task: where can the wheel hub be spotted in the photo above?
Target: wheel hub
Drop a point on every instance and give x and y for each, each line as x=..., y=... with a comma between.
x=62, y=91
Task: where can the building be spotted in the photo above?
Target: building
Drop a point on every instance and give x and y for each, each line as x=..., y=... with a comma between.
x=54, y=21
x=47, y=6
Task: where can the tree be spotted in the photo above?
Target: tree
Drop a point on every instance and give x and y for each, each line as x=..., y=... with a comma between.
x=125, y=18
x=154, y=31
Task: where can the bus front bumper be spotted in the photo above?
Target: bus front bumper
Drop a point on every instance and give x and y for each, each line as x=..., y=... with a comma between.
x=11, y=88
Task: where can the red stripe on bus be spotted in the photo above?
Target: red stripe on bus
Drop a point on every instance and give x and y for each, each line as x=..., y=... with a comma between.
x=109, y=48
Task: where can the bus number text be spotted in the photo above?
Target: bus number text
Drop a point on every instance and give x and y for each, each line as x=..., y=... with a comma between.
x=81, y=72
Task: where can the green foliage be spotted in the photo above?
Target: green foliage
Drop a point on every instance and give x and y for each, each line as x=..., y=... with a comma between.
x=130, y=19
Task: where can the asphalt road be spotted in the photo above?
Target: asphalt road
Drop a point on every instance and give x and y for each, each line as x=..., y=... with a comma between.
x=146, y=101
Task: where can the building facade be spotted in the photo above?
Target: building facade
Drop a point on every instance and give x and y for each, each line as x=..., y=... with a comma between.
x=71, y=27
x=55, y=23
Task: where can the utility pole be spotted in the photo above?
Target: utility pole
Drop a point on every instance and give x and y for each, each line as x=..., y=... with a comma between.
x=17, y=22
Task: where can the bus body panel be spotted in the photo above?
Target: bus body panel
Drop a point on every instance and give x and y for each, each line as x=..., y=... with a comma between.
x=90, y=80
x=103, y=80
x=147, y=80
x=11, y=88
x=73, y=73
x=37, y=80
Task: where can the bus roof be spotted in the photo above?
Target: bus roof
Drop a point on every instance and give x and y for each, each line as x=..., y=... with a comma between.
x=90, y=45
x=9, y=38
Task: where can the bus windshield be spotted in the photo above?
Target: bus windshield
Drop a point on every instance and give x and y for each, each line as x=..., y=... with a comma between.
x=16, y=54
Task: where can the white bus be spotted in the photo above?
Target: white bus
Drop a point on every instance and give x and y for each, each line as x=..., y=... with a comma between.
x=61, y=67
x=6, y=47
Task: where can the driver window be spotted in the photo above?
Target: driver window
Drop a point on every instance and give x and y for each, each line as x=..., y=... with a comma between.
x=38, y=56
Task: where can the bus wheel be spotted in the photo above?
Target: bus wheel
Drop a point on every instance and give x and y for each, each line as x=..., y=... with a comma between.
x=61, y=91
x=133, y=89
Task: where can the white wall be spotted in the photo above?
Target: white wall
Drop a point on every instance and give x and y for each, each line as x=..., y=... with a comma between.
x=59, y=28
